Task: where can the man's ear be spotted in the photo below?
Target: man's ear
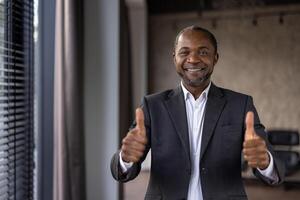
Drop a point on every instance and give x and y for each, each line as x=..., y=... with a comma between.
x=216, y=58
x=174, y=57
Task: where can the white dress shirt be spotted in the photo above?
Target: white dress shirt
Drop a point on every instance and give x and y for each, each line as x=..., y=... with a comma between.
x=195, y=111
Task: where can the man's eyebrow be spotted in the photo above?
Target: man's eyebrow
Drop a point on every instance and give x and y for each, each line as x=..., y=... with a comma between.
x=187, y=48
x=183, y=48
x=203, y=47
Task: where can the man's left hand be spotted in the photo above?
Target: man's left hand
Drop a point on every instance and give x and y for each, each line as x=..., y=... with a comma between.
x=254, y=147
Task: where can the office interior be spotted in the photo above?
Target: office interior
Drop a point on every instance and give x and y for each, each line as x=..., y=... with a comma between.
x=94, y=60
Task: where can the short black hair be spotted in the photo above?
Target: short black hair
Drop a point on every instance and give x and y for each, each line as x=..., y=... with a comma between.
x=209, y=34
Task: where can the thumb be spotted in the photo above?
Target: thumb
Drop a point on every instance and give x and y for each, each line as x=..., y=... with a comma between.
x=250, y=132
x=139, y=118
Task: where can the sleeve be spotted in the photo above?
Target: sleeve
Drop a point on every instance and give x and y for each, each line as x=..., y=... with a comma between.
x=125, y=166
x=270, y=172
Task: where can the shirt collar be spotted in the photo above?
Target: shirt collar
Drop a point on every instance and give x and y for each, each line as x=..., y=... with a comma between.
x=187, y=94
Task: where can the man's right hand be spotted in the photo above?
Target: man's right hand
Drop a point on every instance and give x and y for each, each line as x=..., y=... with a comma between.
x=134, y=144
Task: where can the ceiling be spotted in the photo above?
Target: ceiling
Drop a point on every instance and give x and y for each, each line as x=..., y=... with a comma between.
x=175, y=6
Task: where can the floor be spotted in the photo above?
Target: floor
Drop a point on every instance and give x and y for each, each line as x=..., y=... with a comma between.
x=136, y=189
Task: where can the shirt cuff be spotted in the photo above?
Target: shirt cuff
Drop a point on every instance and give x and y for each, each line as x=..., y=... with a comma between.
x=125, y=166
x=270, y=172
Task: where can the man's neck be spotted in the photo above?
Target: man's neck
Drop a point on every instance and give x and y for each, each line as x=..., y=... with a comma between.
x=196, y=91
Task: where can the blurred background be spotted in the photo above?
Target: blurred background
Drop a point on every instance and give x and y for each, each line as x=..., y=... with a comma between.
x=72, y=73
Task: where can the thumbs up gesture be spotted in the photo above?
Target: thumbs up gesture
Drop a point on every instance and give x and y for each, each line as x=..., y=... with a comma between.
x=254, y=147
x=134, y=144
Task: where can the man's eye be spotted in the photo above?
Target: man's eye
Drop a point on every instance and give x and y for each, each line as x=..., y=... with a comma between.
x=183, y=53
x=203, y=53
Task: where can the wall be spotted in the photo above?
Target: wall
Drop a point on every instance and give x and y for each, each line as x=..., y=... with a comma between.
x=261, y=60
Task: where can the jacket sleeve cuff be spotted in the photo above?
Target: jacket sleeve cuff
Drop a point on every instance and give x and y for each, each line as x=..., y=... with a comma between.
x=270, y=172
x=125, y=166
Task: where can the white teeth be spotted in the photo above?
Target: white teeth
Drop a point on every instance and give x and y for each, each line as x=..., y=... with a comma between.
x=194, y=70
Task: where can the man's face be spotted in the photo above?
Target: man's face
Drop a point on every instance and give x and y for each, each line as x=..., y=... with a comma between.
x=194, y=58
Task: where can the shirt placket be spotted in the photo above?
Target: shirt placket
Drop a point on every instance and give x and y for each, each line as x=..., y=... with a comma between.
x=196, y=125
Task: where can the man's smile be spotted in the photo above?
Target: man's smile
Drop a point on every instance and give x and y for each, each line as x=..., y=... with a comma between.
x=195, y=69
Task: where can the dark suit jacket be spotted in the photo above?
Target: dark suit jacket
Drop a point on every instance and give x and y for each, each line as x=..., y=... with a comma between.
x=220, y=157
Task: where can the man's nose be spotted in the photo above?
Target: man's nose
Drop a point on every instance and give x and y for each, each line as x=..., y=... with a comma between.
x=193, y=58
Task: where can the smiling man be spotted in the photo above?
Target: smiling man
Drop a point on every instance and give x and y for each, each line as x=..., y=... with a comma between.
x=196, y=132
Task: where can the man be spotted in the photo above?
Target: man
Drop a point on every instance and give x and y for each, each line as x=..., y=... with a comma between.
x=196, y=132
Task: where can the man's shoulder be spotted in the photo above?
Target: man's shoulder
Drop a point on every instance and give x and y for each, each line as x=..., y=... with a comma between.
x=162, y=95
x=228, y=93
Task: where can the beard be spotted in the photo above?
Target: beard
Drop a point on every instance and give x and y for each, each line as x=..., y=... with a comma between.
x=200, y=81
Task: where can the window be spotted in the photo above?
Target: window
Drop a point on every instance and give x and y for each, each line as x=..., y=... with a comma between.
x=16, y=99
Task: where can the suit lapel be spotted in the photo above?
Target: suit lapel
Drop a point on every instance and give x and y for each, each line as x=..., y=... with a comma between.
x=175, y=105
x=214, y=106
